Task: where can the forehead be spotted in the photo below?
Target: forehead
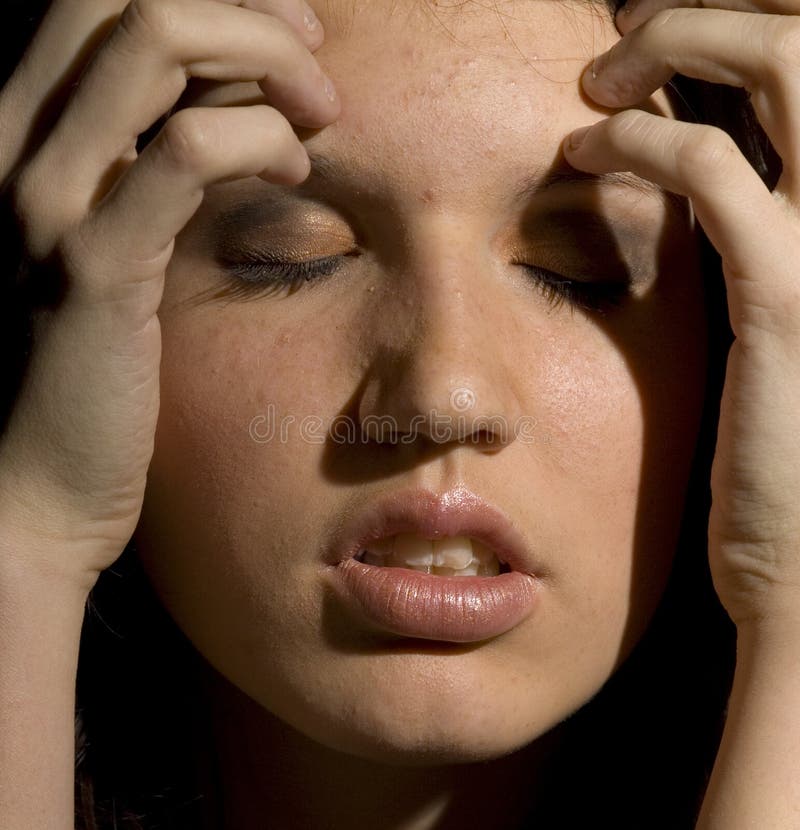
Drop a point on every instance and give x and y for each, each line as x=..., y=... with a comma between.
x=490, y=22
x=454, y=100
x=460, y=84
x=396, y=54
x=434, y=49
x=425, y=51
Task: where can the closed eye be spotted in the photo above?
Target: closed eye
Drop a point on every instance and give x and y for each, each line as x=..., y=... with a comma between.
x=599, y=296
x=264, y=276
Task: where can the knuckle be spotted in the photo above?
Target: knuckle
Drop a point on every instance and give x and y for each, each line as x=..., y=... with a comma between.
x=190, y=138
x=24, y=195
x=151, y=20
x=653, y=27
x=29, y=204
x=706, y=156
x=278, y=129
x=626, y=125
x=657, y=34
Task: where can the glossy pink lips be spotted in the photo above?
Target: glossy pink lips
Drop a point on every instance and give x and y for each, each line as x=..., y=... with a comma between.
x=460, y=609
x=409, y=603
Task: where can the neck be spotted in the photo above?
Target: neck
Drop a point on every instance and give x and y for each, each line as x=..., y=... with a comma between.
x=263, y=772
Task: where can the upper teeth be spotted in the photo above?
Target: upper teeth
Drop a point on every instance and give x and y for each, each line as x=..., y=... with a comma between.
x=456, y=555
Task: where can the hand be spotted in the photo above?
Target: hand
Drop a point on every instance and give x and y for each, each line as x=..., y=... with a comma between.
x=74, y=456
x=754, y=528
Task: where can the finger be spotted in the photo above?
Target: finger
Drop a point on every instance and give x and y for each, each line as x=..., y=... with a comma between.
x=738, y=213
x=634, y=13
x=755, y=51
x=141, y=71
x=128, y=236
x=68, y=33
x=297, y=13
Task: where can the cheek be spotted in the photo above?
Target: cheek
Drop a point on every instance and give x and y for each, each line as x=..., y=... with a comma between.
x=236, y=458
x=585, y=474
x=245, y=394
x=590, y=409
x=618, y=410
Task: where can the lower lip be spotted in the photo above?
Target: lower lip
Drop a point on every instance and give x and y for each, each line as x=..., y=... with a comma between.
x=458, y=609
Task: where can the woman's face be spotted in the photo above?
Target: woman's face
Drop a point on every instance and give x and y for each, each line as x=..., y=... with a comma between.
x=441, y=180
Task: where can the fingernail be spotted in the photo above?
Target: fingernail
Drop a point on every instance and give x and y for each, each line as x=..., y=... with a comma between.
x=576, y=137
x=599, y=64
x=330, y=90
x=310, y=19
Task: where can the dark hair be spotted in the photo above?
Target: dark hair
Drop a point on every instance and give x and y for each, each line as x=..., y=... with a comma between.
x=638, y=755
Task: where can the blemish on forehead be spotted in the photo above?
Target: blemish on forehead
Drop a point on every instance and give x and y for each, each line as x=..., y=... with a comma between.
x=448, y=46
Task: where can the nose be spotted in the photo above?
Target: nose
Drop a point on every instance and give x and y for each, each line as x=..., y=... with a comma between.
x=443, y=367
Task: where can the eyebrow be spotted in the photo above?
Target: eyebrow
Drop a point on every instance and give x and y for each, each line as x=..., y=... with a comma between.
x=327, y=168
x=535, y=185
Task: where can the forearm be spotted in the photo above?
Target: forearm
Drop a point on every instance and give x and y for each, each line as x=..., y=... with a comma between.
x=755, y=782
x=39, y=642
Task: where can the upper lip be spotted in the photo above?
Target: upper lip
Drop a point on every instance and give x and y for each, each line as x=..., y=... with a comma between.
x=456, y=512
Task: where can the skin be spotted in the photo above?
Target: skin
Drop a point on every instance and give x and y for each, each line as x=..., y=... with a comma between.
x=433, y=155
x=75, y=452
x=79, y=440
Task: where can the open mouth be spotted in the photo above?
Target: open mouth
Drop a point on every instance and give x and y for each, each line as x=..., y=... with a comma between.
x=444, y=556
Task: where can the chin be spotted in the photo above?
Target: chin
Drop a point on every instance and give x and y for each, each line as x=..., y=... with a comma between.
x=434, y=748
x=427, y=735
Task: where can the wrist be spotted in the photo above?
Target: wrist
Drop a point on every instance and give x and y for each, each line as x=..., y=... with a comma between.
x=764, y=612
x=775, y=638
x=32, y=564
x=753, y=781
x=46, y=603
x=45, y=608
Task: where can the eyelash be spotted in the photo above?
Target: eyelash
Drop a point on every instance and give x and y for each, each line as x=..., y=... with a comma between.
x=595, y=296
x=265, y=277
